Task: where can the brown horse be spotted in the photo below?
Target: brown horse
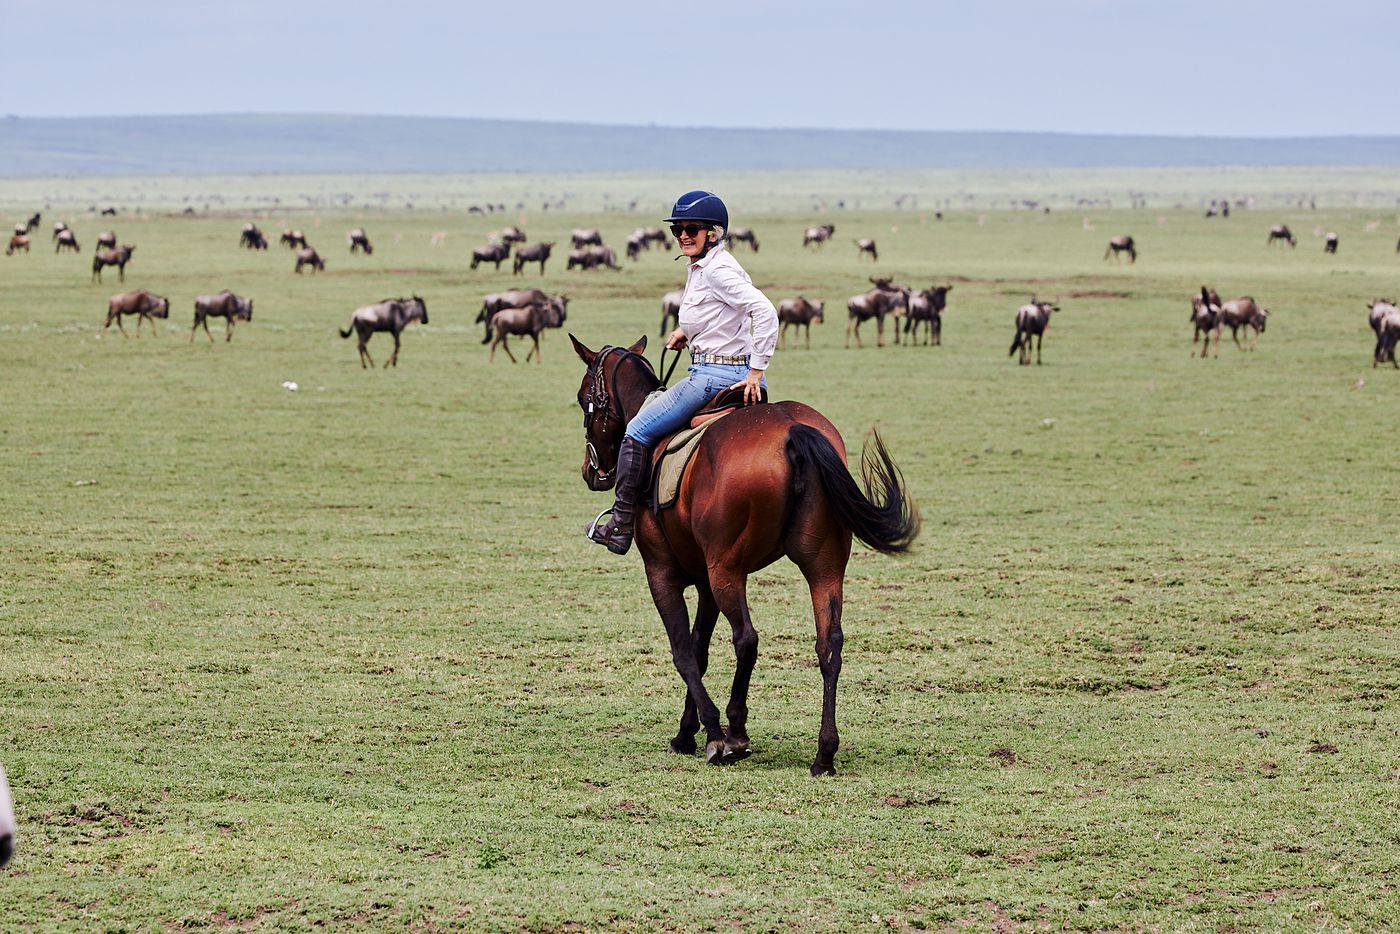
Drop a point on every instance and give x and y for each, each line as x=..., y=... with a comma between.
x=117, y=258
x=767, y=481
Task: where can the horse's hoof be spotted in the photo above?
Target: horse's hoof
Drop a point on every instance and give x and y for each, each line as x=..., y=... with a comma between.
x=736, y=750
x=818, y=770
x=683, y=746
x=714, y=752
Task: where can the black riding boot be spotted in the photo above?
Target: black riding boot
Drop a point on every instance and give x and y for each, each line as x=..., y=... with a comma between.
x=633, y=465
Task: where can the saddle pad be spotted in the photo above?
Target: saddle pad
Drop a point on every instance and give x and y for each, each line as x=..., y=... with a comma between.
x=675, y=457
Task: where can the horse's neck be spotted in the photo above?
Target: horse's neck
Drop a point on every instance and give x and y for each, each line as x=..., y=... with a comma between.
x=633, y=391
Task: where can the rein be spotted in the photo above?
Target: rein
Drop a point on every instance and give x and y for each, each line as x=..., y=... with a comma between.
x=600, y=404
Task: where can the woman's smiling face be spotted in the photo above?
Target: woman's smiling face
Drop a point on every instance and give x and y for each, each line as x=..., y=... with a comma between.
x=691, y=238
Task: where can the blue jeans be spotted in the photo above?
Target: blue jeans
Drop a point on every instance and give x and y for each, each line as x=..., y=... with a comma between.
x=672, y=410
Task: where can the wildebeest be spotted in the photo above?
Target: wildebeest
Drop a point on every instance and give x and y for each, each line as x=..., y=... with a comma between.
x=107, y=240
x=147, y=306
x=112, y=212
x=1123, y=244
x=294, y=239
x=1281, y=232
x=359, y=241
x=306, y=256
x=818, y=234
x=21, y=229
x=557, y=306
x=1238, y=313
x=926, y=307
x=1377, y=311
x=538, y=253
x=655, y=235
x=33, y=222
x=876, y=303
x=581, y=237
x=58, y=228
x=252, y=238
x=799, y=312
x=1387, y=336
x=671, y=311
x=1031, y=321
x=491, y=253
x=117, y=258
x=7, y=822
x=635, y=246
x=742, y=235
x=392, y=315
x=864, y=246
x=66, y=238
x=1205, y=314
x=223, y=305
x=592, y=257
x=17, y=242
x=512, y=235
x=1331, y=245
x=526, y=320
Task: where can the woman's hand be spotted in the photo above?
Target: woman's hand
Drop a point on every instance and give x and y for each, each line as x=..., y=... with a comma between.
x=753, y=387
x=676, y=340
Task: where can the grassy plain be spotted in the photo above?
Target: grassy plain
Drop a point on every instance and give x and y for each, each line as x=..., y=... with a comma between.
x=341, y=656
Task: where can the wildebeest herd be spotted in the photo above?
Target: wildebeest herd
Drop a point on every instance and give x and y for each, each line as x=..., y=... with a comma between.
x=529, y=312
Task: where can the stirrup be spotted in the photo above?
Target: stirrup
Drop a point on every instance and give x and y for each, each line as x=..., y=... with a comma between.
x=593, y=526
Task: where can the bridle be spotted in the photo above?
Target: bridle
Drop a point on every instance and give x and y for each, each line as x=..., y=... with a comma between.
x=602, y=407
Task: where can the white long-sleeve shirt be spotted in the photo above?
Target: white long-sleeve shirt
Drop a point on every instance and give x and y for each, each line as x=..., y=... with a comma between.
x=719, y=303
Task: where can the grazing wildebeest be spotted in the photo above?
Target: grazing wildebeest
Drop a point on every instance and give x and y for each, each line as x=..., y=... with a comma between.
x=742, y=235
x=527, y=320
x=1331, y=245
x=582, y=237
x=33, y=223
x=66, y=238
x=655, y=235
x=112, y=212
x=864, y=246
x=635, y=246
x=223, y=305
x=1238, y=313
x=306, y=256
x=926, y=307
x=1378, y=309
x=1205, y=314
x=1281, y=232
x=818, y=234
x=671, y=311
x=147, y=306
x=1123, y=244
x=117, y=258
x=876, y=303
x=7, y=821
x=252, y=238
x=1031, y=321
x=538, y=253
x=1387, y=337
x=294, y=239
x=58, y=228
x=512, y=235
x=392, y=315
x=800, y=313
x=17, y=242
x=592, y=257
x=359, y=241
x=768, y=481
x=107, y=240
x=491, y=253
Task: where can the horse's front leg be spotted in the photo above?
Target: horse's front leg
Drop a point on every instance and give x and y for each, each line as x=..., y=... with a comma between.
x=731, y=595
x=667, y=592
x=706, y=613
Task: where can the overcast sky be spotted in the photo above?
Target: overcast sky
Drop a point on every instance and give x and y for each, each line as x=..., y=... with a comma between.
x=1183, y=67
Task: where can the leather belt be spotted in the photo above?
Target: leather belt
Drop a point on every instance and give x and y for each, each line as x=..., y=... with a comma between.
x=725, y=359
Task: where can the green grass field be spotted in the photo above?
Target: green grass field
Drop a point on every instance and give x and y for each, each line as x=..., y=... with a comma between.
x=342, y=658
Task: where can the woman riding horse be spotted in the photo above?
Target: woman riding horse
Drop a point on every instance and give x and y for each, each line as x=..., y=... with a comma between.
x=719, y=303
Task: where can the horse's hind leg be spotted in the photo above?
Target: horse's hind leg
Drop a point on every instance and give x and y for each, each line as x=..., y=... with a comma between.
x=706, y=613
x=825, y=572
x=731, y=596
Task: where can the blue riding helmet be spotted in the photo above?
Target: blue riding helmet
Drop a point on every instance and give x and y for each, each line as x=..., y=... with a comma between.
x=704, y=207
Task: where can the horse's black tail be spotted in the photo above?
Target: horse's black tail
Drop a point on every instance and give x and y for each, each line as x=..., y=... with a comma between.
x=883, y=516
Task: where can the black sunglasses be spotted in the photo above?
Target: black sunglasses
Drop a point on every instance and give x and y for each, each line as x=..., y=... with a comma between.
x=690, y=230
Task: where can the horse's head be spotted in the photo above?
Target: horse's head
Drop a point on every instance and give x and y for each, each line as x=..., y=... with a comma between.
x=600, y=395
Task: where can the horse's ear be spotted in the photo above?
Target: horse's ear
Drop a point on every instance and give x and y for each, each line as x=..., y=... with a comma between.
x=640, y=346
x=584, y=354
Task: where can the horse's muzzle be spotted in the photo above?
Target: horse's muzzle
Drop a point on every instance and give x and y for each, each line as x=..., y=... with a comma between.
x=595, y=476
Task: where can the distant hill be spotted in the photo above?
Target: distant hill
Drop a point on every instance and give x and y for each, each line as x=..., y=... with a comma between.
x=260, y=143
